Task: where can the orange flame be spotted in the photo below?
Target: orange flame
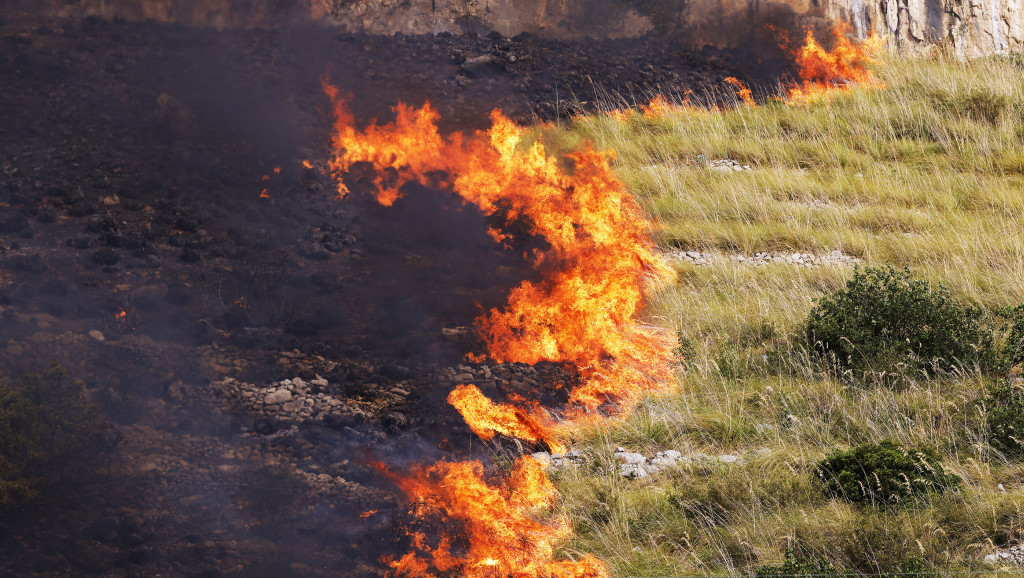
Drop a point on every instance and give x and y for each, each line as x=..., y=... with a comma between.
x=743, y=93
x=505, y=536
x=367, y=513
x=264, y=194
x=595, y=275
x=823, y=72
x=307, y=164
x=486, y=418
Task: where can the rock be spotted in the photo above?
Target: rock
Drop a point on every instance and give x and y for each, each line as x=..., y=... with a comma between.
x=630, y=458
x=276, y=397
x=673, y=454
x=634, y=471
x=97, y=335
x=728, y=459
x=543, y=457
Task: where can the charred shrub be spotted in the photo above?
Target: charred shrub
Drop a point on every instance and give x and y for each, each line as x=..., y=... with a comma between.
x=885, y=320
x=47, y=432
x=1005, y=418
x=883, y=474
x=797, y=564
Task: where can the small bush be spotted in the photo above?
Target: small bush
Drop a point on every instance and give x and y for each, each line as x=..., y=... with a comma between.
x=797, y=565
x=883, y=474
x=47, y=429
x=887, y=321
x=1005, y=418
x=1012, y=351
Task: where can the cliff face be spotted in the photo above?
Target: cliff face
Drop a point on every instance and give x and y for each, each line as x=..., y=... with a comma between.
x=971, y=27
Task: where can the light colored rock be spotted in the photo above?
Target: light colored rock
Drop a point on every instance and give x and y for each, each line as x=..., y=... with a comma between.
x=631, y=458
x=97, y=335
x=728, y=459
x=278, y=396
x=634, y=471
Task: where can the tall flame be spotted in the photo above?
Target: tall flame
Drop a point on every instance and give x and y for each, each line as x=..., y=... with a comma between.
x=825, y=71
x=595, y=273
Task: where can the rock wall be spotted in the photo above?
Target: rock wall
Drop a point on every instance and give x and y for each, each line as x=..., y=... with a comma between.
x=971, y=28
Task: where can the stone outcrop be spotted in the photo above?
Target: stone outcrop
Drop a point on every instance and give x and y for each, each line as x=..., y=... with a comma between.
x=970, y=28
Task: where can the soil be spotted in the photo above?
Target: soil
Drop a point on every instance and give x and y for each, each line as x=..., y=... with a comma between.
x=160, y=233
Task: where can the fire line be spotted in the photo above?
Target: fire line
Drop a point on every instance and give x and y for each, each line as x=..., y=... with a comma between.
x=596, y=273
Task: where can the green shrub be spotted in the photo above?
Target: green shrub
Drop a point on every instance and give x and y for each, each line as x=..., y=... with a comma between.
x=1012, y=351
x=883, y=474
x=887, y=321
x=1005, y=418
x=797, y=565
x=47, y=429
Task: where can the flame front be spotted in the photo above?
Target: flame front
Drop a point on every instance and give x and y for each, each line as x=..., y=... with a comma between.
x=596, y=270
x=502, y=530
x=824, y=71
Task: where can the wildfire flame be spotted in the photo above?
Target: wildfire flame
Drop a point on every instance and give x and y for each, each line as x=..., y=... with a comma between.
x=595, y=274
x=743, y=91
x=504, y=532
x=486, y=418
x=823, y=71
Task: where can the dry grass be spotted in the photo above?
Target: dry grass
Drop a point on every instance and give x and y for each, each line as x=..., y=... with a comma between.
x=927, y=173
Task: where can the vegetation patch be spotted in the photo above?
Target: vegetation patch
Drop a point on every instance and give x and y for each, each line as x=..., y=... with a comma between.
x=886, y=320
x=883, y=474
x=47, y=430
x=1005, y=418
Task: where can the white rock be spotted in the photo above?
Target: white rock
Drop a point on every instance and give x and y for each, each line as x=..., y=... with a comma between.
x=631, y=458
x=279, y=396
x=543, y=457
x=673, y=454
x=728, y=459
x=97, y=335
x=634, y=471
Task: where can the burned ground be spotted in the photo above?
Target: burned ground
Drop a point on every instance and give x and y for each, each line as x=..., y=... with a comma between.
x=163, y=240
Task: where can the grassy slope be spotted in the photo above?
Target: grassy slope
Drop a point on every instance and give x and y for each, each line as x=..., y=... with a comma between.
x=928, y=173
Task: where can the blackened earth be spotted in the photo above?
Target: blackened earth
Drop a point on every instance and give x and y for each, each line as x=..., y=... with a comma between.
x=162, y=239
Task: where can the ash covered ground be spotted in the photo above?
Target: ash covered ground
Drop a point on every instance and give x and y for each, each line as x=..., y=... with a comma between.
x=250, y=337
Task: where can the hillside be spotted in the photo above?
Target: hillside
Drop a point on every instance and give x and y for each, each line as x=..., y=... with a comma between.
x=927, y=174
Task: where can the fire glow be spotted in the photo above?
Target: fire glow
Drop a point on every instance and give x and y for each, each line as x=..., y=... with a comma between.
x=823, y=72
x=596, y=273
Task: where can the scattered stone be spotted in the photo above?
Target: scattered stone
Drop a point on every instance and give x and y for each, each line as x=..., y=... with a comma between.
x=97, y=335
x=279, y=396
x=634, y=471
x=728, y=166
x=836, y=257
x=1012, y=555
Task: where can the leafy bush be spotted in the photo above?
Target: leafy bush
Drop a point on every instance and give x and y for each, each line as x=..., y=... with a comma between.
x=883, y=473
x=47, y=429
x=886, y=320
x=797, y=565
x=1012, y=350
x=1005, y=418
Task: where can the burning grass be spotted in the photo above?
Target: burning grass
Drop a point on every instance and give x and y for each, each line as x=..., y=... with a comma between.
x=896, y=176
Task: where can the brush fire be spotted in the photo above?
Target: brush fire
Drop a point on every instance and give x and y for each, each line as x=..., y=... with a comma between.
x=597, y=268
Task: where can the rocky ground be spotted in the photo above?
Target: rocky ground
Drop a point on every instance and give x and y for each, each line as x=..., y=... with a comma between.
x=252, y=338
